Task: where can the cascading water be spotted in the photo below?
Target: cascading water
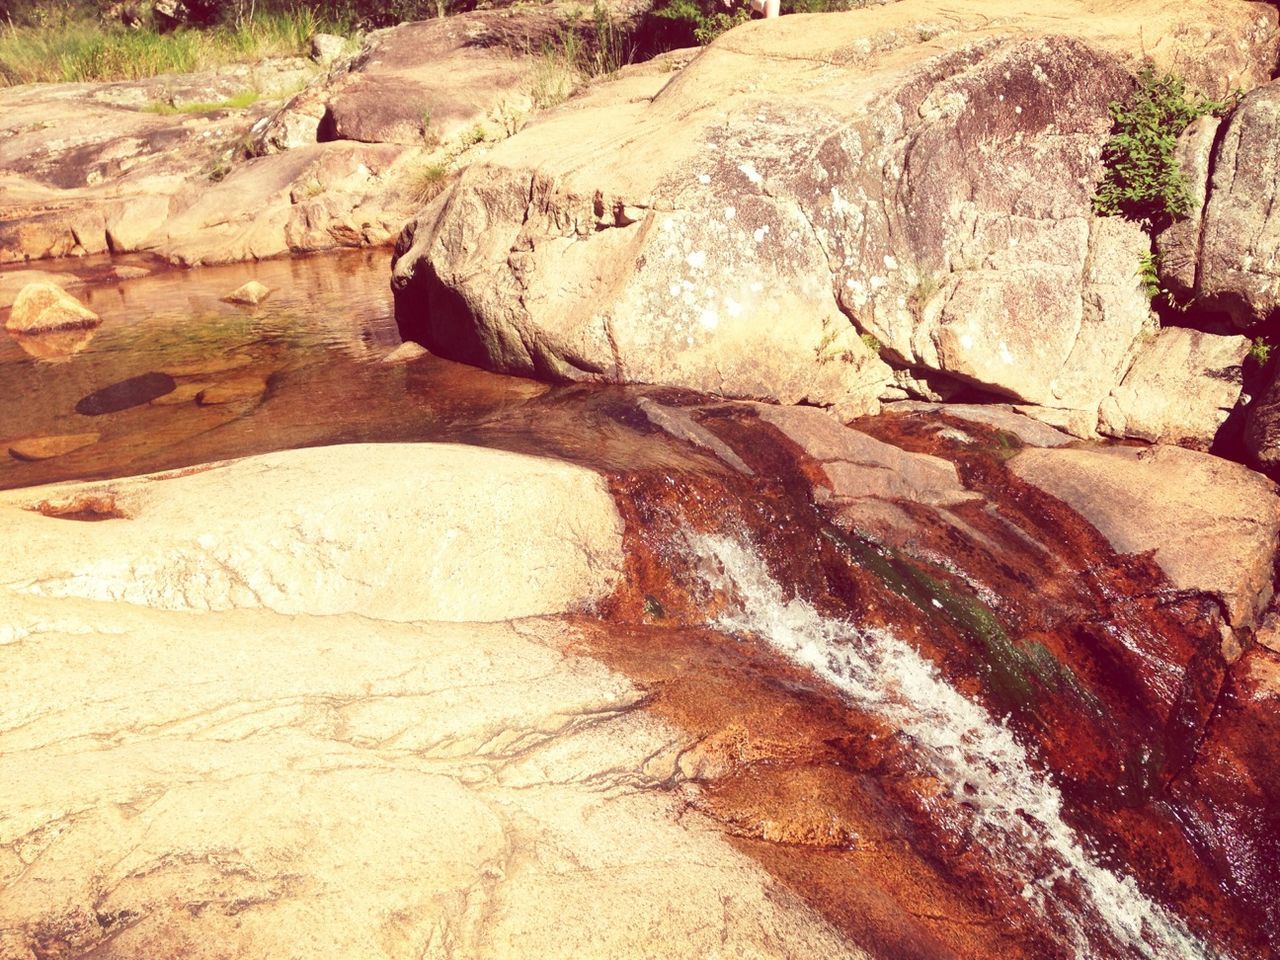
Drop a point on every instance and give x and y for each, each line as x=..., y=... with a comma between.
x=1016, y=813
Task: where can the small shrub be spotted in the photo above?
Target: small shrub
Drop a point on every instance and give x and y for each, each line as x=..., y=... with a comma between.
x=1142, y=181
x=427, y=182
x=870, y=342
x=1260, y=351
x=1149, y=273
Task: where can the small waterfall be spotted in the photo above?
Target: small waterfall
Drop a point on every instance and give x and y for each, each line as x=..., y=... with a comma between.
x=1017, y=813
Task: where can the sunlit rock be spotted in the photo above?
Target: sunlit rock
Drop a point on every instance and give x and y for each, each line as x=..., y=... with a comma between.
x=43, y=306
x=250, y=294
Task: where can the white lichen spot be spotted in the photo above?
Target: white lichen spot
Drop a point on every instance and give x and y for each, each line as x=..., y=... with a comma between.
x=966, y=341
x=756, y=286
x=709, y=318
x=733, y=307
x=704, y=178
x=751, y=173
x=890, y=262
x=668, y=225
x=838, y=203
x=760, y=233
x=1005, y=355
x=730, y=213
x=1017, y=110
x=675, y=289
x=878, y=282
x=857, y=292
x=697, y=259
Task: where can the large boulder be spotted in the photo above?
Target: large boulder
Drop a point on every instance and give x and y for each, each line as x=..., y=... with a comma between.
x=1224, y=256
x=1181, y=389
x=481, y=535
x=1213, y=526
x=913, y=180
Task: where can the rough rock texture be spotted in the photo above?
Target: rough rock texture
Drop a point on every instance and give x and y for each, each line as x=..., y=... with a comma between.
x=1141, y=500
x=1262, y=428
x=920, y=172
x=43, y=306
x=484, y=535
x=245, y=784
x=251, y=293
x=1181, y=389
x=1225, y=255
x=436, y=79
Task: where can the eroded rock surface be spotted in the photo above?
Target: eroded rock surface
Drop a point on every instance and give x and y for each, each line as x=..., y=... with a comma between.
x=485, y=535
x=919, y=173
x=1223, y=257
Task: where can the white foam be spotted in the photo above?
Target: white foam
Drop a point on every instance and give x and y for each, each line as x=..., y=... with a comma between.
x=1017, y=812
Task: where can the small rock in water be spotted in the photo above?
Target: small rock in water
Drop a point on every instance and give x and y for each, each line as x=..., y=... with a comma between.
x=125, y=394
x=405, y=352
x=126, y=272
x=46, y=448
x=252, y=294
x=43, y=306
x=241, y=388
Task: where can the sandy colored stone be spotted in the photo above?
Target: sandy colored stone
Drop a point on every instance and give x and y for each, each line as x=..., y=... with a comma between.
x=45, y=448
x=249, y=785
x=395, y=531
x=251, y=294
x=43, y=306
x=1003, y=417
x=1213, y=525
x=232, y=391
x=405, y=352
x=861, y=466
x=1181, y=389
x=920, y=171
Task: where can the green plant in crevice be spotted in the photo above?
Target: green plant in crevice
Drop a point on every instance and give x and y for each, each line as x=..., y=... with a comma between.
x=1149, y=274
x=427, y=182
x=1260, y=351
x=870, y=341
x=1142, y=181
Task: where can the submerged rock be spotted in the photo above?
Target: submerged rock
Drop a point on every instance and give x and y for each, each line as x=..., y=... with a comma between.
x=45, y=448
x=127, y=393
x=906, y=172
x=232, y=391
x=405, y=352
x=42, y=306
x=250, y=294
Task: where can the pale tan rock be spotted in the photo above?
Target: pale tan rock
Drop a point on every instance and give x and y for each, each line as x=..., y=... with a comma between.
x=251, y=294
x=46, y=448
x=1212, y=524
x=206, y=366
x=405, y=352
x=1181, y=389
x=395, y=531
x=43, y=306
x=249, y=785
x=920, y=171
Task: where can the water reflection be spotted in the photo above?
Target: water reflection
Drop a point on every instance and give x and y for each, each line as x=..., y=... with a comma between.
x=302, y=368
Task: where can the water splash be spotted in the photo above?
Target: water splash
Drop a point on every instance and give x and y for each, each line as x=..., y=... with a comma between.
x=1017, y=813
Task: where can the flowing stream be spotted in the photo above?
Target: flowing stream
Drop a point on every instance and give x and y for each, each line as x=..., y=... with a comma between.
x=1016, y=812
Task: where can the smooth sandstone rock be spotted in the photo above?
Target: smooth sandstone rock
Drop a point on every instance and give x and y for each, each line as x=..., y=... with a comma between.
x=43, y=306
x=1181, y=389
x=232, y=391
x=251, y=294
x=394, y=531
x=245, y=784
x=405, y=352
x=1212, y=525
x=918, y=173
x=45, y=448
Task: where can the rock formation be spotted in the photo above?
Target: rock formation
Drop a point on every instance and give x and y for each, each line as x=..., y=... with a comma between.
x=912, y=180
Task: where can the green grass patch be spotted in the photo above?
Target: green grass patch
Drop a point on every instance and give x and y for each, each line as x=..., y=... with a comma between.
x=82, y=52
x=239, y=102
